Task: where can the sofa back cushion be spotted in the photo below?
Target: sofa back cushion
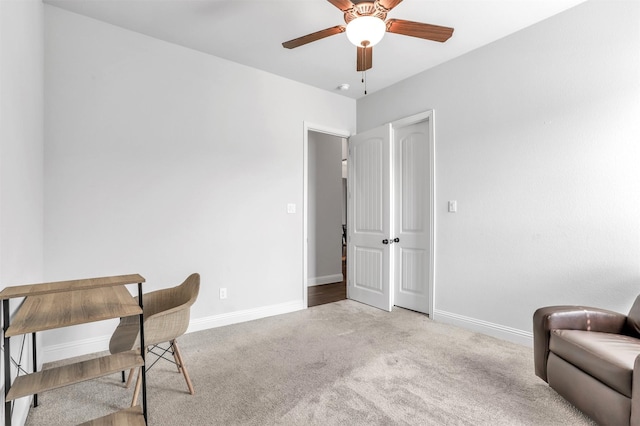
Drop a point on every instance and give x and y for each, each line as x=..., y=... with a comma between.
x=633, y=319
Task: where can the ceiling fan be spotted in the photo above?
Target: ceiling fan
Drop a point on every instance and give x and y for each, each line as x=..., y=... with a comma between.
x=366, y=26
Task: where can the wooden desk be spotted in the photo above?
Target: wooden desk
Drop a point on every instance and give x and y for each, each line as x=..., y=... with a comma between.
x=61, y=304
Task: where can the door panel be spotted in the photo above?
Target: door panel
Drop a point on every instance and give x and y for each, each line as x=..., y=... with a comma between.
x=412, y=216
x=369, y=266
x=413, y=269
x=369, y=213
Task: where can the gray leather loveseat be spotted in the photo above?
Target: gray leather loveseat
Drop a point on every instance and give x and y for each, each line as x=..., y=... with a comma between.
x=590, y=356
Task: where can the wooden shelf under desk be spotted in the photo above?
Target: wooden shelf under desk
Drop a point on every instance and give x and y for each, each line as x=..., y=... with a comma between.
x=49, y=311
x=65, y=375
x=128, y=417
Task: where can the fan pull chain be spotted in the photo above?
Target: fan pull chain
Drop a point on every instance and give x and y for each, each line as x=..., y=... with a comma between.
x=364, y=81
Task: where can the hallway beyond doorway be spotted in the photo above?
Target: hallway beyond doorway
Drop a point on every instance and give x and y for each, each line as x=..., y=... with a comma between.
x=328, y=293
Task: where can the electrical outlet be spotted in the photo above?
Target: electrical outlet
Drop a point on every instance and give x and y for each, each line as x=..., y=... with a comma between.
x=223, y=293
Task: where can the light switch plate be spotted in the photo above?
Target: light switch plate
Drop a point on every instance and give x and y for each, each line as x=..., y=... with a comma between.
x=291, y=208
x=453, y=206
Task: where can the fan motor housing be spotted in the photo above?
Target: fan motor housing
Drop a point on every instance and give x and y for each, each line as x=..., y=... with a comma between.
x=365, y=8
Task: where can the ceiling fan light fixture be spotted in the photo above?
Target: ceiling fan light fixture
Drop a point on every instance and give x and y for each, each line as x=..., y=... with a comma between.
x=366, y=31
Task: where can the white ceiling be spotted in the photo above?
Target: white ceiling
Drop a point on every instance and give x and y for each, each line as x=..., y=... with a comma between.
x=251, y=32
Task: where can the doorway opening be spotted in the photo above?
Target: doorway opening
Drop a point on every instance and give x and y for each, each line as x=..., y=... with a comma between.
x=325, y=154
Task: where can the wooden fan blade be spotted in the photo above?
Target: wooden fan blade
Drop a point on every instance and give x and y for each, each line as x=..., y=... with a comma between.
x=313, y=37
x=343, y=5
x=365, y=58
x=389, y=4
x=420, y=30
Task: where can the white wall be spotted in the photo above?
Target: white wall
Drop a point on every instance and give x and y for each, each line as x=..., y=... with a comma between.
x=164, y=161
x=21, y=152
x=534, y=138
x=537, y=138
x=325, y=209
x=21, y=141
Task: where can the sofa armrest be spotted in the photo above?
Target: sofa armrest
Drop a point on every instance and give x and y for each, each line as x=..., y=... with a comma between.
x=635, y=394
x=569, y=318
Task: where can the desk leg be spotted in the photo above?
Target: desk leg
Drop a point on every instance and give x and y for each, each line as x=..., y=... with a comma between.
x=7, y=362
x=34, y=351
x=143, y=353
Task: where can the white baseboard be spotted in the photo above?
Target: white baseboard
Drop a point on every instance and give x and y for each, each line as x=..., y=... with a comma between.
x=326, y=279
x=245, y=315
x=101, y=343
x=496, y=330
x=75, y=348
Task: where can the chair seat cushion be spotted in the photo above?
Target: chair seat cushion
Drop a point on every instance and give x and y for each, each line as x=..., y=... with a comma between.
x=607, y=357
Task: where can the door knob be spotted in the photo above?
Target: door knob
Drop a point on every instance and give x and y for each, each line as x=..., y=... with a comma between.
x=396, y=240
x=385, y=241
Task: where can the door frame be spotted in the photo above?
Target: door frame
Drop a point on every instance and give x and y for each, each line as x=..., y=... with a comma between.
x=305, y=195
x=308, y=126
x=407, y=121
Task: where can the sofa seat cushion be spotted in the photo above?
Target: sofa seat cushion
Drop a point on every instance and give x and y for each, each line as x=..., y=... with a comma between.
x=605, y=356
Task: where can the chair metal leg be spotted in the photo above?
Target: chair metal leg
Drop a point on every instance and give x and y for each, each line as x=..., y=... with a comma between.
x=185, y=373
x=181, y=368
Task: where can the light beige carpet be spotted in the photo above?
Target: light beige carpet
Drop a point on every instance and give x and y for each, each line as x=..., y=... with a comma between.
x=339, y=364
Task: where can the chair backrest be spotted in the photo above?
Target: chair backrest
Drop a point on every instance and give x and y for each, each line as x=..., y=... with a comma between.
x=183, y=295
x=167, y=311
x=187, y=292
